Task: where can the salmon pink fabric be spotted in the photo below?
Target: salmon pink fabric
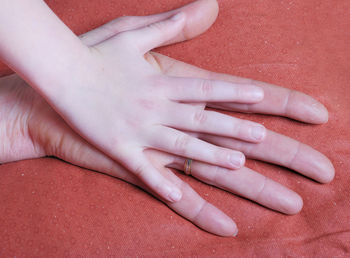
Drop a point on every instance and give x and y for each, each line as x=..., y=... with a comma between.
x=49, y=208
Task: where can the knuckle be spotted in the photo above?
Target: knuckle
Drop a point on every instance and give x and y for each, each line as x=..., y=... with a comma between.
x=122, y=21
x=199, y=117
x=125, y=23
x=294, y=155
x=260, y=192
x=157, y=26
x=289, y=104
x=125, y=37
x=239, y=129
x=157, y=83
x=197, y=212
x=181, y=143
x=206, y=88
x=214, y=176
x=119, y=25
x=112, y=27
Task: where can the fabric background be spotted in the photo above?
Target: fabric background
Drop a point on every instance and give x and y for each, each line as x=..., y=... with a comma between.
x=51, y=208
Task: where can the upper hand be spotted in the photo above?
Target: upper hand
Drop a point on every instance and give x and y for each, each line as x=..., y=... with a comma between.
x=122, y=105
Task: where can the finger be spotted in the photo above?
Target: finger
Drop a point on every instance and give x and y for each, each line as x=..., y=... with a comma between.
x=246, y=183
x=196, y=119
x=192, y=206
x=282, y=102
x=284, y=151
x=203, y=214
x=179, y=143
x=139, y=165
x=77, y=151
x=200, y=15
x=277, y=100
x=155, y=34
x=200, y=90
x=74, y=149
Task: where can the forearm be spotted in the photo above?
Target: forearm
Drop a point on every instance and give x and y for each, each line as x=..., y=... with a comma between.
x=36, y=44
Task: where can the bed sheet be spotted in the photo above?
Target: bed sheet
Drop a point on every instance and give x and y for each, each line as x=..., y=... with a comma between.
x=51, y=208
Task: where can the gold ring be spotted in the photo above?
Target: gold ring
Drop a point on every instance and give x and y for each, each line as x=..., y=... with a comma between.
x=187, y=166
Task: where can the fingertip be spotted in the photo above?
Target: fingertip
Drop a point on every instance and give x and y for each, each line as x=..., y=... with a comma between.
x=292, y=204
x=319, y=113
x=249, y=94
x=258, y=133
x=175, y=195
x=243, y=160
x=237, y=160
x=216, y=222
x=171, y=193
x=227, y=227
x=313, y=164
x=310, y=110
x=327, y=171
x=201, y=15
x=209, y=8
x=211, y=5
x=280, y=198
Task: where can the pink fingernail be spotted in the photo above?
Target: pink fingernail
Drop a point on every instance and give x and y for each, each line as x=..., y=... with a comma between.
x=254, y=93
x=236, y=233
x=175, y=195
x=258, y=133
x=237, y=160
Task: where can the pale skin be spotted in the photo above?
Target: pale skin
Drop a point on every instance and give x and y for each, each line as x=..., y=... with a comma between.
x=33, y=129
x=111, y=96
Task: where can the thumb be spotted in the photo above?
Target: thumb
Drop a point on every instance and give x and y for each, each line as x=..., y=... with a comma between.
x=200, y=15
x=158, y=33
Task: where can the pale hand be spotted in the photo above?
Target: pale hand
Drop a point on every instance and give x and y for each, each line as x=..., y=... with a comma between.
x=122, y=105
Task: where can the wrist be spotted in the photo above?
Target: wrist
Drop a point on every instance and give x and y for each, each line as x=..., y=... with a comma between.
x=38, y=45
x=60, y=75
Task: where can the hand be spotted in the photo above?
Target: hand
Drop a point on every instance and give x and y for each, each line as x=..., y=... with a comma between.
x=120, y=104
x=33, y=130
x=36, y=131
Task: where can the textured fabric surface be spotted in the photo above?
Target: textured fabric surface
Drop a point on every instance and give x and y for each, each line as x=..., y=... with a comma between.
x=51, y=208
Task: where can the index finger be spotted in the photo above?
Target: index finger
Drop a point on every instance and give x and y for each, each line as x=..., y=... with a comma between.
x=277, y=100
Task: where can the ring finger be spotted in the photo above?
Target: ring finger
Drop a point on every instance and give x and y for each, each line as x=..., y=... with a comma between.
x=179, y=143
x=246, y=183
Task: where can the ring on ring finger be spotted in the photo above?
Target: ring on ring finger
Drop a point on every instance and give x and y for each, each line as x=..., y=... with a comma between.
x=187, y=166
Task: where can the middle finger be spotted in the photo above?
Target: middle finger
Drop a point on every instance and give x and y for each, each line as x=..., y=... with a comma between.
x=197, y=119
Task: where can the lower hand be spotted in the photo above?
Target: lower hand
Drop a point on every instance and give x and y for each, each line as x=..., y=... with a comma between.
x=37, y=131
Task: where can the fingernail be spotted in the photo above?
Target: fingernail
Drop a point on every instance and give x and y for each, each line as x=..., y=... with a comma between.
x=236, y=233
x=258, y=133
x=177, y=17
x=255, y=93
x=175, y=195
x=237, y=160
x=319, y=113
